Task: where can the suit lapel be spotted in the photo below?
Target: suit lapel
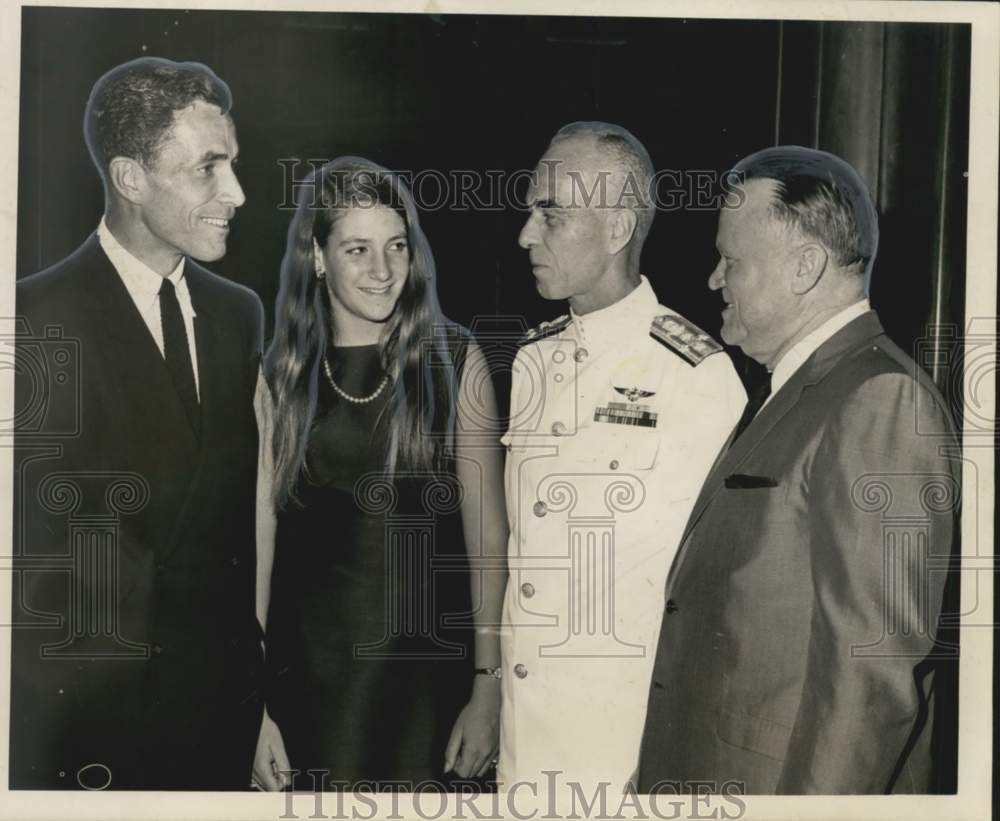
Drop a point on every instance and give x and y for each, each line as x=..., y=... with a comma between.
x=856, y=333
x=129, y=352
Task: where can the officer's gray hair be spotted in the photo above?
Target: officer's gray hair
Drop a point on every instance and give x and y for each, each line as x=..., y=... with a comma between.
x=631, y=166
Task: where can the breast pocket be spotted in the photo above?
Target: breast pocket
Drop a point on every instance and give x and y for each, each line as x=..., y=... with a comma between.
x=625, y=449
x=609, y=468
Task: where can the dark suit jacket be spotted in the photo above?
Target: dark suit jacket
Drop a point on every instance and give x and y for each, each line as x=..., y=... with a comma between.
x=801, y=606
x=136, y=651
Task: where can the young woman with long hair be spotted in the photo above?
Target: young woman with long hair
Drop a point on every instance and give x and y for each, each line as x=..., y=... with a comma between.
x=384, y=473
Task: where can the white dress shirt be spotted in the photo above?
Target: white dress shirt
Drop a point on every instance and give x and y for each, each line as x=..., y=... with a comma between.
x=143, y=285
x=806, y=347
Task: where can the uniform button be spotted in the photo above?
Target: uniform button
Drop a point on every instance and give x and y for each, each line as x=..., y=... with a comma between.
x=613, y=464
x=558, y=357
x=157, y=649
x=235, y=561
x=671, y=606
x=528, y=590
x=540, y=509
x=520, y=670
x=508, y=448
x=580, y=354
x=558, y=428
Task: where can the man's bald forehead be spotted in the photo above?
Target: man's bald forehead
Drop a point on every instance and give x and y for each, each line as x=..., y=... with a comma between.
x=582, y=153
x=575, y=171
x=561, y=170
x=577, y=153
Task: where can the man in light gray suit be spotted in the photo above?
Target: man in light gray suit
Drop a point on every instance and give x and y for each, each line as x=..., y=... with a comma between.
x=796, y=648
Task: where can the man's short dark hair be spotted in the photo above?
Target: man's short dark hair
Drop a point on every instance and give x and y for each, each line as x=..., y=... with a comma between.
x=822, y=196
x=131, y=109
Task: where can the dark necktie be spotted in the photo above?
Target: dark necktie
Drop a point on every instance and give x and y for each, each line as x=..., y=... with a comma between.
x=177, y=354
x=754, y=404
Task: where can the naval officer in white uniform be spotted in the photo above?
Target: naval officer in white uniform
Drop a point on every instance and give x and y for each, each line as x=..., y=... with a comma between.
x=618, y=411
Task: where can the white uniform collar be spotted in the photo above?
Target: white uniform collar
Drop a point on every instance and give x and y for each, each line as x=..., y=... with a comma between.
x=606, y=326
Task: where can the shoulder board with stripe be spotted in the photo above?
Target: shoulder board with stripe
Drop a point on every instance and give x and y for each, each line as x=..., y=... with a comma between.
x=544, y=330
x=684, y=338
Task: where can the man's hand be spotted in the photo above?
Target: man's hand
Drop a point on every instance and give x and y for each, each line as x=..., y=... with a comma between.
x=475, y=738
x=270, y=764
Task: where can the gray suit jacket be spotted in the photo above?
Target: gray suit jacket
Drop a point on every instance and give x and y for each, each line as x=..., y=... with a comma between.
x=796, y=653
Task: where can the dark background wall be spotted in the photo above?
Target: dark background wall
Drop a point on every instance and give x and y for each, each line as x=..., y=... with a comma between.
x=455, y=92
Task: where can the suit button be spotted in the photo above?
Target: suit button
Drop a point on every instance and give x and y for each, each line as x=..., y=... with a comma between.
x=558, y=428
x=580, y=354
x=613, y=464
x=540, y=509
x=671, y=606
x=157, y=650
x=528, y=590
x=235, y=561
x=520, y=670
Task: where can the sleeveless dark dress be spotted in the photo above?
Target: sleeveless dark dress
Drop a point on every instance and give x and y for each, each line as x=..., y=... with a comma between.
x=368, y=668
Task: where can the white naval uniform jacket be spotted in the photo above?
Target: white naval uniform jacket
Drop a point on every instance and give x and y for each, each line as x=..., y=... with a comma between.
x=616, y=418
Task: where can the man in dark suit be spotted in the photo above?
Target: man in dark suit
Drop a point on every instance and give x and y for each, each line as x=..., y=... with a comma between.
x=136, y=648
x=796, y=650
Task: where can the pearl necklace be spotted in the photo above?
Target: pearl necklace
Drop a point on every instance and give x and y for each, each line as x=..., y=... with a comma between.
x=362, y=400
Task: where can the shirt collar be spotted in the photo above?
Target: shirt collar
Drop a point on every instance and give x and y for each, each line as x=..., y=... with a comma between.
x=805, y=347
x=609, y=324
x=141, y=281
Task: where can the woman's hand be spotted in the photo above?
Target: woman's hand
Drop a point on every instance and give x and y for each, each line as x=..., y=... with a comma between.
x=475, y=738
x=270, y=764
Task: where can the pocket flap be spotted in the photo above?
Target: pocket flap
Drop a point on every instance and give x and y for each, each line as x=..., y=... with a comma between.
x=741, y=481
x=760, y=735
